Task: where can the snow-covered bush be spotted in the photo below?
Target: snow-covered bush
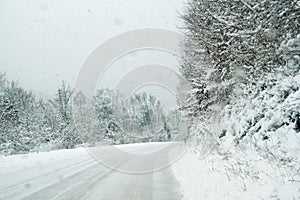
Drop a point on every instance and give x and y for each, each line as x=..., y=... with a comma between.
x=259, y=136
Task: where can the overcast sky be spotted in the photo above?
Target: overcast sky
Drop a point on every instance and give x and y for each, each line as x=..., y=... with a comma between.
x=44, y=41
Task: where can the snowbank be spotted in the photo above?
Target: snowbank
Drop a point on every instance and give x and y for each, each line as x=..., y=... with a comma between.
x=209, y=179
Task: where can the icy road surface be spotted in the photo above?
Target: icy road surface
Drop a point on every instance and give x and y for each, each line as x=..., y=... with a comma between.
x=91, y=174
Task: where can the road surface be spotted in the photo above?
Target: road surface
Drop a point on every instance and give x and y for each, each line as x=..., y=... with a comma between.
x=142, y=172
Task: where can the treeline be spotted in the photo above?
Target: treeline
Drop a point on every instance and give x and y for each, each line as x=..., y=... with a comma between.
x=71, y=119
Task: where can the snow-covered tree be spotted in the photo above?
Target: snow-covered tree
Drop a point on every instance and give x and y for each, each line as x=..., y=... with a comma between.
x=86, y=122
x=107, y=104
x=63, y=105
x=232, y=43
x=17, y=117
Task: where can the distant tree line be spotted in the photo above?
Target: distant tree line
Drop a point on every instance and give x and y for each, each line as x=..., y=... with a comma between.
x=70, y=119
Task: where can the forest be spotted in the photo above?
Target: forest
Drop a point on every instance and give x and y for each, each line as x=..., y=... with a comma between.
x=69, y=120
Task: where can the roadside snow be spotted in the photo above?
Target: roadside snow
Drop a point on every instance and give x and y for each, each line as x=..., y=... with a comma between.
x=207, y=179
x=199, y=181
x=9, y=164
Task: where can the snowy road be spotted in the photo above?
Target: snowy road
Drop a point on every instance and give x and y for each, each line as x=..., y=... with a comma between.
x=76, y=174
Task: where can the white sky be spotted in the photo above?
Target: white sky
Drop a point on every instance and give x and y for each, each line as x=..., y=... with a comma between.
x=44, y=41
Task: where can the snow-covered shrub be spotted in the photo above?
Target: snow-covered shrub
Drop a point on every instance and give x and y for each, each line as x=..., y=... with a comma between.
x=259, y=134
x=49, y=146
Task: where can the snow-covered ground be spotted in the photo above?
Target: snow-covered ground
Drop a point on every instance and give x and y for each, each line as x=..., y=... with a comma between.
x=198, y=180
x=207, y=178
x=78, y=174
